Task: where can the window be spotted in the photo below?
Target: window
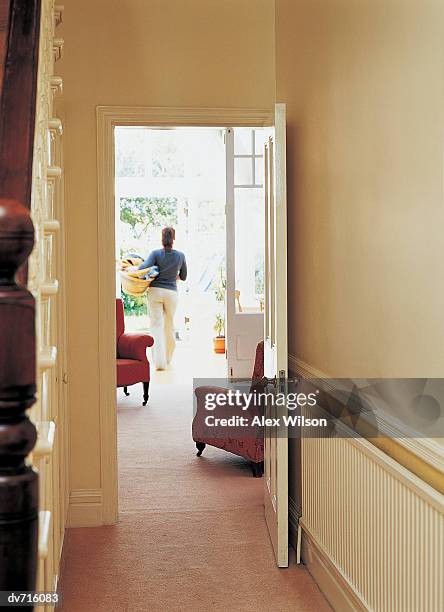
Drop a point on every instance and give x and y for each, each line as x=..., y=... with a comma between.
x=249, y=219
x=130, y=153
x=248, y=157
x=167, y=159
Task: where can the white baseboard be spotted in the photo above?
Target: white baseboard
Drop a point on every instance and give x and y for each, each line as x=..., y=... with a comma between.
x=335, y=588
x=85, y=508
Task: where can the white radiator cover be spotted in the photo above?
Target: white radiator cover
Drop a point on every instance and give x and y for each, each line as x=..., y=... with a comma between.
x=380, y=526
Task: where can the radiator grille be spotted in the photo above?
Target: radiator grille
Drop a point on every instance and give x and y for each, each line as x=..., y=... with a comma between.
x=381, y=526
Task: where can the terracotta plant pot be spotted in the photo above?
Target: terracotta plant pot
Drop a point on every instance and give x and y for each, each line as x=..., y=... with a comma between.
x=219, y=345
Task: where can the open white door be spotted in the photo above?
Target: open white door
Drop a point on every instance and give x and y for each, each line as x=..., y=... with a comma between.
x=275, y=334
x=244, y=248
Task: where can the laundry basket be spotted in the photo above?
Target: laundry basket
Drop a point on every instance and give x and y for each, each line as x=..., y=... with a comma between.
x=136, y=282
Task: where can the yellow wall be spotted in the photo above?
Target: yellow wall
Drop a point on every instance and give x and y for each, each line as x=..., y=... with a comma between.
x=363, y=83
x=139, y=53
x=364, y=92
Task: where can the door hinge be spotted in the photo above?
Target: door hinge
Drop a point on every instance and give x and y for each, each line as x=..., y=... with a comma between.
x=282, y=377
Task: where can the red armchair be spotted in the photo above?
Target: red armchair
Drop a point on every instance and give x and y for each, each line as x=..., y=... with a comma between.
x=132, y=363
x=249, y=445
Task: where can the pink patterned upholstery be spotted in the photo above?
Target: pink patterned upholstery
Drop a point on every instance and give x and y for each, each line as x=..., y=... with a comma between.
x=251, y=445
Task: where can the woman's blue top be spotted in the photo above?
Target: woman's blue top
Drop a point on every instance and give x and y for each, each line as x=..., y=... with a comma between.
x=171, y=263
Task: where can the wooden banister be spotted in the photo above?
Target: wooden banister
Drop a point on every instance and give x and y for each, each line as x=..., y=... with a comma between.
x=19, y=90
x=20, y=20
x=4, y=28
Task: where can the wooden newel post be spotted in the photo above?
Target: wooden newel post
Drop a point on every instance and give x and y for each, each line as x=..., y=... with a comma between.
x=18, y=481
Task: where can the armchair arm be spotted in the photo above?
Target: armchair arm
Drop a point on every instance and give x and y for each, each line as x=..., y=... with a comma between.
x=134, y=345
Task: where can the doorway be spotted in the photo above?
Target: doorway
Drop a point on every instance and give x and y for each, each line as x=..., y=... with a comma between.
x=207, y=183
x=108, y=119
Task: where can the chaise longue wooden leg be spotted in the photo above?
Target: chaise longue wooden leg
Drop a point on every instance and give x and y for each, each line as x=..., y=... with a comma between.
x=257, y=469
x=200, y=448
x=125, y=390
x=146, y=386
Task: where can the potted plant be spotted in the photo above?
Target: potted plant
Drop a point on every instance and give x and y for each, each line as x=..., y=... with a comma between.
x=219, y=340
x=219, y=289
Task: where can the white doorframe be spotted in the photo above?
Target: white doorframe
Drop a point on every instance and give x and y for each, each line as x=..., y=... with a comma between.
x=108, y=117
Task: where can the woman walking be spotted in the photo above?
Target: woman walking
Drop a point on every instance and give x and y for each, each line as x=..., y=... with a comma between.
x=162, y=296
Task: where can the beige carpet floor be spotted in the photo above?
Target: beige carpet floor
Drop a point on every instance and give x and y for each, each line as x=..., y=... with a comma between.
x=191, y=534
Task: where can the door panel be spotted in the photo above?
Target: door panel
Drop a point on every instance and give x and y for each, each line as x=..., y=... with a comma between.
x=275, y=331
x=244, y=250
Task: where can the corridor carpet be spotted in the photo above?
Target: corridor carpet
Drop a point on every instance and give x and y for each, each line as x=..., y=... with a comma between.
x=191, y=534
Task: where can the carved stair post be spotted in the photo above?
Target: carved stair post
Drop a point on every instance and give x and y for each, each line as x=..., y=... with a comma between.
x=18, y=482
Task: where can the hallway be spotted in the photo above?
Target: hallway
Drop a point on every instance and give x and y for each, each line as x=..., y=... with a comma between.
x=191, y=533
